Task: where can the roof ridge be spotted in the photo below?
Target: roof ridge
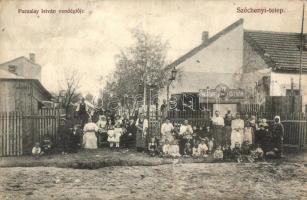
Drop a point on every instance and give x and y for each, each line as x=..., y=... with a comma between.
x=27, y=59
x=278, y=32
x=206, y=43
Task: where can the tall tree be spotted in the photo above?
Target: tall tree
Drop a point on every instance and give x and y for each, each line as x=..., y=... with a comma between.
x=143, y=64
x=70, y=86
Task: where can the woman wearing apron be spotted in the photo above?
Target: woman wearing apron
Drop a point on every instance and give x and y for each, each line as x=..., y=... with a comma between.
x=141, y=134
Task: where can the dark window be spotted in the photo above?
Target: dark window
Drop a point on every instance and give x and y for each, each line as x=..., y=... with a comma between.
x=12, y=69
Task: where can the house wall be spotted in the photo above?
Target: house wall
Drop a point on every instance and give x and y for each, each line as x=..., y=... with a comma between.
x=20, y=95
x=224, y=55
x=24, y=68
x=282, y=81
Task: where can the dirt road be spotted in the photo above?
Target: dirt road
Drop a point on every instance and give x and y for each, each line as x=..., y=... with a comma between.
x=170, y=181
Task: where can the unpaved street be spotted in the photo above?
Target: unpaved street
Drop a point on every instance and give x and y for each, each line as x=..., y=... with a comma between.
x=170, y=181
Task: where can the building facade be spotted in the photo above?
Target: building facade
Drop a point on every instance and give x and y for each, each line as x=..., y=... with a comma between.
x=20, y=86
x=24, y=67
x=238, y=66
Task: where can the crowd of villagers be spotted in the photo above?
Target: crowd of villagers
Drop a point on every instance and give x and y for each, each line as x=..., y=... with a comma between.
x=226, y=137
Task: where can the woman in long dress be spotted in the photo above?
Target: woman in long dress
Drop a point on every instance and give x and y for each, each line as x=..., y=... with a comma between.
x=89, y=137
x=218, y=128
x=141, y=134
x=166, y=131
x=237, y=126
x=102, y=130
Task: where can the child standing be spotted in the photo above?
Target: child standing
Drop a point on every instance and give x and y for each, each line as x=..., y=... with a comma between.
x=188, y=149
x=210, y=145
x=111, y=136
x=36, y=150
x=152, y=147
x=118, y=131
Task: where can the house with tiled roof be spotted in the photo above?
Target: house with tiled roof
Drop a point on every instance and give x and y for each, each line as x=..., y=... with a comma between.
x=20, y=86
x=240, y=66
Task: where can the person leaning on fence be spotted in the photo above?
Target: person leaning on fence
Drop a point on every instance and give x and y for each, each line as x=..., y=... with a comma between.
x=278, y=135
x=185, y=135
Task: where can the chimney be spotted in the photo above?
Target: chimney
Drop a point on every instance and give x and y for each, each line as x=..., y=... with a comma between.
x=32, y=57
x=205, y=36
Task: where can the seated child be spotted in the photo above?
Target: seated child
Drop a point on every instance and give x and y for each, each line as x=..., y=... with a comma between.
x=246, y=152
x=188, y=149
x=174, y=149
x=275, y=153
x=227, y=152
x=166, y=148
x=36, y=150
x=202, y=148
x=46, y=144
x=218, y=153
x=111, y=136
x=152, y=146
x=257, y=153
x=236, y=152
x=195, y=152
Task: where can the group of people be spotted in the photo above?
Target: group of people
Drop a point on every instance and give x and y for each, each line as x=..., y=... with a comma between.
x=225, y=137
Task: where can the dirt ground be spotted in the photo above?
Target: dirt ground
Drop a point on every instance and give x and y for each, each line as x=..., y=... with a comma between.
x=150, y=178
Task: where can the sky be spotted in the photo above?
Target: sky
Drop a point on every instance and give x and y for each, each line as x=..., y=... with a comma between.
x=88, y=42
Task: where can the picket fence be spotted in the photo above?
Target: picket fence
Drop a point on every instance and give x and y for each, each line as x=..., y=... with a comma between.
x=19, y=132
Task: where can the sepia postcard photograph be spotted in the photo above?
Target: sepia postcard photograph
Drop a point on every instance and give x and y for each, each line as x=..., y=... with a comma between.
x=153, y=99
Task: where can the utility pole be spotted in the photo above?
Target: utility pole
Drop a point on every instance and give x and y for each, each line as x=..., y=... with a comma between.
x=301, y=52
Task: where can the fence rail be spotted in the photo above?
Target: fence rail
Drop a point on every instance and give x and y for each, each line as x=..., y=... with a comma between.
x=19, y=132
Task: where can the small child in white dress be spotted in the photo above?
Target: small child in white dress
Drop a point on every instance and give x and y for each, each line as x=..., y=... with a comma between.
x=202, y=148
x=174, y=149
x=36, y=150
x=166, y=148
x=118, y=131
x=111, y=136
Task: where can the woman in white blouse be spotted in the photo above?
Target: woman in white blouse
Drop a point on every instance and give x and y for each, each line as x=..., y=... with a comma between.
x=89, y=137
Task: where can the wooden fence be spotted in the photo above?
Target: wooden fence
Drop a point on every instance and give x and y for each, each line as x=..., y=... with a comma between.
x=11, y=134
x=19, y=132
